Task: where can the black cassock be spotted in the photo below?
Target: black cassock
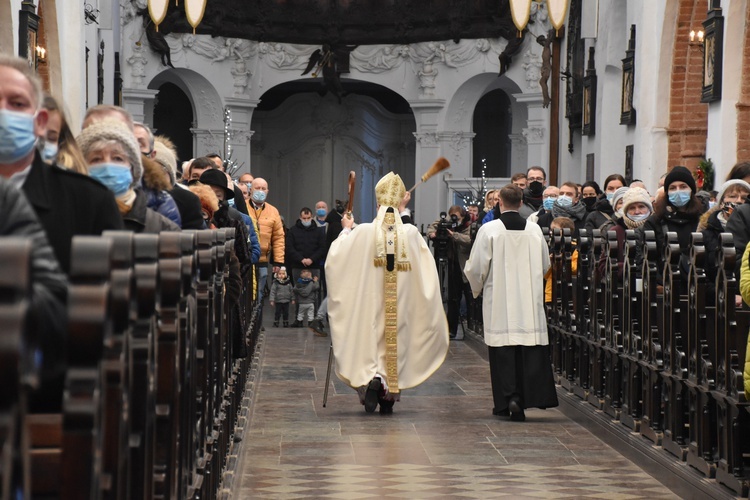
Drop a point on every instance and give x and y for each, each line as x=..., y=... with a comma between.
x=522, y=370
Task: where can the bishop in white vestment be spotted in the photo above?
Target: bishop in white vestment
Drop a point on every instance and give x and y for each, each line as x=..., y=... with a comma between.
x=507, y=265
x=388, y=327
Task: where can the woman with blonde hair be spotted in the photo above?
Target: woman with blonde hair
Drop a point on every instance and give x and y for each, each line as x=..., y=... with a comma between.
x=60, y=146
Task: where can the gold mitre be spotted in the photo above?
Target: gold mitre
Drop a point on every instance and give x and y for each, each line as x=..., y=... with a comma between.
x=390, y=190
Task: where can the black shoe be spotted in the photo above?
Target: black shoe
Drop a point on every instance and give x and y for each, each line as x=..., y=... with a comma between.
x=275, y=324
x=501, y=413
x=286, y=324
x=516, y=411
x=318, y=328
x=386, y=406
x=371, y=395
x=296, y=324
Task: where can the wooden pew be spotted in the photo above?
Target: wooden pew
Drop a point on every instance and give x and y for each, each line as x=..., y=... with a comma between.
x=16, y=372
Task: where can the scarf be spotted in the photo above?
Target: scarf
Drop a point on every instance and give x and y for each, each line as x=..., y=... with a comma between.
x=390, y=240
x=575, y=212
x=125, y=201
x=631, y=224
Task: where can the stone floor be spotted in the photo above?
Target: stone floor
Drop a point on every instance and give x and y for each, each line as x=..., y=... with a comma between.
x=442, y=440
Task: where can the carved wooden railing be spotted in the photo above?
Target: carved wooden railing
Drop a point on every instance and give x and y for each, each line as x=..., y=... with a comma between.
x=153, y=384
x=653, y=351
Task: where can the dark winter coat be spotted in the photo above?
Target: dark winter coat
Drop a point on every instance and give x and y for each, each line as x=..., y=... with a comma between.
x=68, y=204
x=141, y=219
x=305, y=243
x=46, y=317
x=189, y=206
x=601, y=213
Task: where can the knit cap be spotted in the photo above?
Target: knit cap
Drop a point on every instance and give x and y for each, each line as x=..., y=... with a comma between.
x=636, y=195
x=679, y=173
x=166, y=158
x=618, y=194
x=114, y=130
x=733, y=182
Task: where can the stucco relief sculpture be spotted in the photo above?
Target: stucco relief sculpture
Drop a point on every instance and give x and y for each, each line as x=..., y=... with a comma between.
x=241, y=76
x=427, y=76
x=138, y=62
x=534, y=135
x=427, y=138
x=532, y=65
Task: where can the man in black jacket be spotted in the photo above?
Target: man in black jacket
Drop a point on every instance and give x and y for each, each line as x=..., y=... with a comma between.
x=66, y=203
x=305, y=245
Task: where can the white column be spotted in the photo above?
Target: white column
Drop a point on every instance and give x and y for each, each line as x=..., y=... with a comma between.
x=140, y=103
x=207, y=141
x=536, y=131
x=428, y=198
x=240, y=132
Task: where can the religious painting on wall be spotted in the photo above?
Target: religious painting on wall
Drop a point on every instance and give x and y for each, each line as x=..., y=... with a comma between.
x=712, y=56
x=589, y=97
x=627, y=111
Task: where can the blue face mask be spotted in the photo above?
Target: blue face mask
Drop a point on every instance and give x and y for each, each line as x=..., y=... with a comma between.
x=321, y=212
x=306, y=223
x=17, y=138
x=610, y=196
x=679, y=198
x=638, y=217
x=259, y=196
x=548, y=202
x=564, y=201
x=49, y=153
x=117, y=178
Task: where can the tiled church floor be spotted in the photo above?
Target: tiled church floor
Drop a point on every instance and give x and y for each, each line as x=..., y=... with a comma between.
x=442, y=440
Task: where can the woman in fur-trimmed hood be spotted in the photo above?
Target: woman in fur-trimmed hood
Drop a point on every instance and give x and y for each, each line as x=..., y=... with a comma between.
x=155, y=186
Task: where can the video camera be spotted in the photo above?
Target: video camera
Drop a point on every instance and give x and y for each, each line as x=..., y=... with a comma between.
x=442, y=237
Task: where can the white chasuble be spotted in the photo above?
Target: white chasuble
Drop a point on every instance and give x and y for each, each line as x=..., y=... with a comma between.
x=508, y=268
x=357, y=308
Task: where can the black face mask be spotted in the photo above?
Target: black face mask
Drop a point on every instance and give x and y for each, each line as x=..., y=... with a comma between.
x=590, y=202
x=536, y=189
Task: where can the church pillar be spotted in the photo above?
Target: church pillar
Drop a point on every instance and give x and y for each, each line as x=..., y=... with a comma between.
x=427, y=206
x=140, y=104
x=207, y=141
x=241, y=112
x=536, y=131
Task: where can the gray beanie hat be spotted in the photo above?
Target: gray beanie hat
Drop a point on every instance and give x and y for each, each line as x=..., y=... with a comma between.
x=618, y=194
x=114, y=130
x=733, y=182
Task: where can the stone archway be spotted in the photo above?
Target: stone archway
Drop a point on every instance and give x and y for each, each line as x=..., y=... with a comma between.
x=208, y=108
x=304, y=144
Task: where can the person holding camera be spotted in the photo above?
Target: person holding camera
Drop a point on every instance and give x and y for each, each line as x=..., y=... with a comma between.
x=451, y=240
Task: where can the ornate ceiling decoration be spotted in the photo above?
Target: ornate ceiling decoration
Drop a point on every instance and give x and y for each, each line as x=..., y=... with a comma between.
x=348, y=22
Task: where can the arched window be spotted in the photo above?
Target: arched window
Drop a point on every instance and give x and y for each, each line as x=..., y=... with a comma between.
x=492, y=124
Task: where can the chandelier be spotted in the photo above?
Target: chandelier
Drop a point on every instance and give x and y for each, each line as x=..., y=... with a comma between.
x=194, y=10
x=521, y=10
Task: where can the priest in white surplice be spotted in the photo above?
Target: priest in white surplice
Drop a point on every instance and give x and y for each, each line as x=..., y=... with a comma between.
x=507, y=265
x=388, y=328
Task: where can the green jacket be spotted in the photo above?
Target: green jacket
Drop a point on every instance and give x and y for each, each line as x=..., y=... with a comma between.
x=745, y=292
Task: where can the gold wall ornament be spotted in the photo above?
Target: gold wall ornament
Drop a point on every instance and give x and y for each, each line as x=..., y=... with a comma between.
x=520, y=10
x=558, y=11
x=194, y=10
x=157, y=10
